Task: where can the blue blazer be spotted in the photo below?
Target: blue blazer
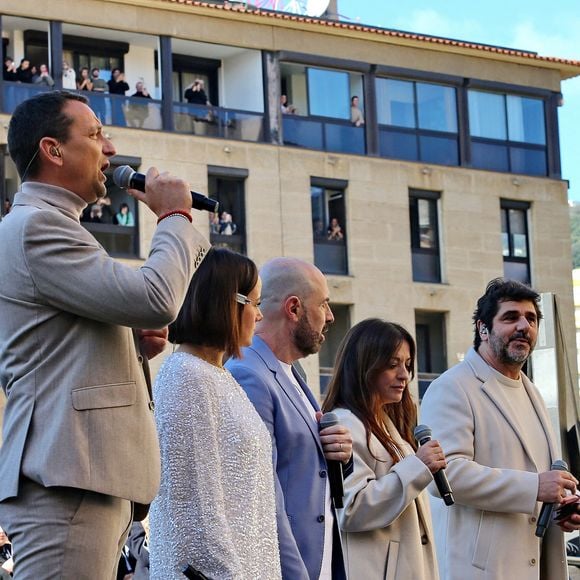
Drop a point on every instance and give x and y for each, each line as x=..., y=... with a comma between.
x=298, y=460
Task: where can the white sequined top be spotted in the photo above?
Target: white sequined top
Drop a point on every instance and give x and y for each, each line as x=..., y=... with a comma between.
x=216, y=508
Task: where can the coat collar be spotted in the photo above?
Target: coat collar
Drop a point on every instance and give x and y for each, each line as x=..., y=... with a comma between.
x=289, y=389
x=46, y=196
x=491, y=387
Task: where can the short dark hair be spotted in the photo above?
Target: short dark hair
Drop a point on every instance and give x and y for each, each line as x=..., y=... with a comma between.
x=501, y=290
x=210, y=315
x=38, y=117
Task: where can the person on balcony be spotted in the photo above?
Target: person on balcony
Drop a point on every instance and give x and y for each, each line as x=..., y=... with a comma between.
x=69, y=77
x=195, y=93
x=24, y=72
x=99, y=84
x=9, y=72
x=117, y=84
x=44, y=77
x=124, y=216
x=356, y=115
x=287, y=108
x=84, y=83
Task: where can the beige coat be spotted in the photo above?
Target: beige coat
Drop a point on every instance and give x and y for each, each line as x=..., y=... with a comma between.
x=489, y=534
x=385, y=523
x=78, y=413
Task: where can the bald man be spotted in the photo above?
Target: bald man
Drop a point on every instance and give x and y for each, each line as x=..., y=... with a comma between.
x=296, y=310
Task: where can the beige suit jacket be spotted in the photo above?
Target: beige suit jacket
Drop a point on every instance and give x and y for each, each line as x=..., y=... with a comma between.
x=78, y=412
x=490, y=532
x=386, y=522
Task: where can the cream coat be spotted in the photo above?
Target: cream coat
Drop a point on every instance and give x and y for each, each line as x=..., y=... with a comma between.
x=386, y=522
x=489, y=534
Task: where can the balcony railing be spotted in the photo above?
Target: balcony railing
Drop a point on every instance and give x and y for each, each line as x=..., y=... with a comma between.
x=218, y=122
x=330, y=256
x=324, y=134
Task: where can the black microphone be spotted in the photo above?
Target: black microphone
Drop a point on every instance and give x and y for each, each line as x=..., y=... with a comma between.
x=547, y=508
x=125, y=177
x=190, y=572
x=422, y=434
x=335, y=476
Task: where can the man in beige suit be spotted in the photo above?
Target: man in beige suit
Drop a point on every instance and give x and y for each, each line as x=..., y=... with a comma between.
x=80, y=444
x=495, y=430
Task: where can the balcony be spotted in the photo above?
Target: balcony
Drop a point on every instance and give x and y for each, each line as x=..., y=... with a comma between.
x=323, y=134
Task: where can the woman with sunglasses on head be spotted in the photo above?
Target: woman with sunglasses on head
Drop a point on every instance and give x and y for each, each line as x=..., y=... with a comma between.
x=216, y=507
x=386, y=522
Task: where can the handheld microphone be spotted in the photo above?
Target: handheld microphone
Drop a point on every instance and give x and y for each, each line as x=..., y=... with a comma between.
x=190, y=572
x=335, y=476
x=423, y=434
x=125, y=177
x=548, y=508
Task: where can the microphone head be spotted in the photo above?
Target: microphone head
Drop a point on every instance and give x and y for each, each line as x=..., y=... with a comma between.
x=560, y=465
x=422, y=431
x=122, y=176
x=328, y=420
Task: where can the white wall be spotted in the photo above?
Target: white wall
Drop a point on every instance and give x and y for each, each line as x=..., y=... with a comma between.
x=140, y=66
x=241, y=82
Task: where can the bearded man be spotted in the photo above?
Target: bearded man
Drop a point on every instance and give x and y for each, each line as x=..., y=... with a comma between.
x=495, y=429
x=296, y=310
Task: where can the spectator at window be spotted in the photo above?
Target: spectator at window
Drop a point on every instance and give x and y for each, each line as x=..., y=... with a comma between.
x=356, y=115
x=195, y=93
x=44, y=77
x=7, y=206
x=24, y=72
x=117, y=84
x=9, y=73
x=141, y=91
x=96, y=214
x=334, y=231
x=286, y=107
x=84, y=82
x=227, y=226
x=124, y=216
x=99, y=84
x=69, y=77
x=35, y=73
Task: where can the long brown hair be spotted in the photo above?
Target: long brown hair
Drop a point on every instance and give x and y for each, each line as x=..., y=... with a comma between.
x=367, y=350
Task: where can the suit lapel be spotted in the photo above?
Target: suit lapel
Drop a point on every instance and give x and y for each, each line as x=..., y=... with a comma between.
x=288, y=387
x=496, y=395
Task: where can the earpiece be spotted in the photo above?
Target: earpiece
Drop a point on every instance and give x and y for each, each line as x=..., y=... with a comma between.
x=55, y=152
x=483, y=330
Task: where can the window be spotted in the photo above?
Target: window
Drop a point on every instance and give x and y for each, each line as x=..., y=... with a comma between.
x=228, y=227
x=508, y=132
x=320, y=101
x=515, y=241
x=431, y=351
x=114, y=219
x=329, y=225
x=425, y=236
x=417, y=121
x=334, y=336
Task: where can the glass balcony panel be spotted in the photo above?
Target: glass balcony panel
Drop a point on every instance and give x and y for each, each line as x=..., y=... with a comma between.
x=487, y=116
x=398, y=145
x=437, y=107
x=441, y=150
x=528, y=161
x=330, y=256
x=344, y=138
x=302, y=132
x=489, y=156
x=526, y=122
x=14, y=93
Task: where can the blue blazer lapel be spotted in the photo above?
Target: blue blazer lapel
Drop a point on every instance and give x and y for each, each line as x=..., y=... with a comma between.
x=264, y=351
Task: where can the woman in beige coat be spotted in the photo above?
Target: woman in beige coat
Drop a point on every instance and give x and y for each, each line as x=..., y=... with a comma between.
x=386, y=522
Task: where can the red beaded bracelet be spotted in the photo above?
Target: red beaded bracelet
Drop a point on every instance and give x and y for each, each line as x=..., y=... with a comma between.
x=185, y=214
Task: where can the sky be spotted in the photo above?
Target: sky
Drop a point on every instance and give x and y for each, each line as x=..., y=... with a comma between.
x=548, y=29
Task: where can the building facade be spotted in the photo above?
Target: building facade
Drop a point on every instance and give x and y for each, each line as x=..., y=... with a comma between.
x=449, y=177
